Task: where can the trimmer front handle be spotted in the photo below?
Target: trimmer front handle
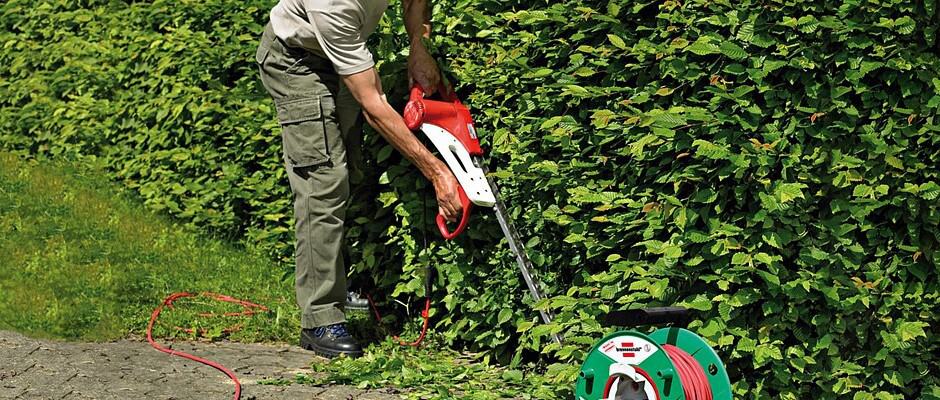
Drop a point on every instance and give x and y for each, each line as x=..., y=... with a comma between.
x=464, y=218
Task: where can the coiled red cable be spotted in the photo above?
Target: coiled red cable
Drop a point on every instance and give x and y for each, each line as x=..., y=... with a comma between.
x=248, y=308
x=691, y=374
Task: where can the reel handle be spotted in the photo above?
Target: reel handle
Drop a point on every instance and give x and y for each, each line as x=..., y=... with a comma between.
x=464, y=219
x=678, y=316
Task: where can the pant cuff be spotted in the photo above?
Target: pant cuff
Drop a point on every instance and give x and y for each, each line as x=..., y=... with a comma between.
x=325, y=317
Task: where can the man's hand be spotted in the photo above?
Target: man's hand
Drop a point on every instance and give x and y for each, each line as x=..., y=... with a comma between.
x=422, y=69
x=448, y=200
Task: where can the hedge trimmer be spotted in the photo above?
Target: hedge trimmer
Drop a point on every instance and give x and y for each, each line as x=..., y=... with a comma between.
x=447, y=123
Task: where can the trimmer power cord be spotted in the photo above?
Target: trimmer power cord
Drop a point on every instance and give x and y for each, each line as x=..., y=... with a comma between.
x=425, y=314
x=248, y=308
x=424, y=327
x=691, y=374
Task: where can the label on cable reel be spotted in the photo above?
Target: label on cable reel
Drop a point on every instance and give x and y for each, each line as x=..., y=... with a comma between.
x=628, y=349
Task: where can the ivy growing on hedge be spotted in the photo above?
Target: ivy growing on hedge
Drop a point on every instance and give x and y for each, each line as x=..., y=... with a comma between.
x=772, y=164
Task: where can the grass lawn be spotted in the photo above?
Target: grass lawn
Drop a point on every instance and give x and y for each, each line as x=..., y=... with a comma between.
x=81, y=261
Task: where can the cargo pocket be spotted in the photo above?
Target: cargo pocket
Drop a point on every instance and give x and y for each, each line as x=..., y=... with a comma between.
x=264, y=46
x=303, y=132
x=262, y=53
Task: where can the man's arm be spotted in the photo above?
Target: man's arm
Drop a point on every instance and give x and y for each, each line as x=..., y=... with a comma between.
x=417, y=14
x=421, y=66
x=366, y=87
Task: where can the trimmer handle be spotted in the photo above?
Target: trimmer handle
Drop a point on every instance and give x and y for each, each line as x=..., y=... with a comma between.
x=446, y=92
x=464, y=219
x=417, y=93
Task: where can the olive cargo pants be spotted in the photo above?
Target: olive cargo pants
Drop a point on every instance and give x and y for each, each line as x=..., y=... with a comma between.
x=321, y=130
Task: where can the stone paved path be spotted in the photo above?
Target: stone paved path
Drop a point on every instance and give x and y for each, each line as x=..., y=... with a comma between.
x=128, y=369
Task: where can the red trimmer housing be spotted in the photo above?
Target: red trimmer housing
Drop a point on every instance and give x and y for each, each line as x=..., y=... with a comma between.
x=449, y=114
x=448, y=124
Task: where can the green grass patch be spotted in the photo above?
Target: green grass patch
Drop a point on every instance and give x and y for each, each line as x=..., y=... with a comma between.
x=81, y=261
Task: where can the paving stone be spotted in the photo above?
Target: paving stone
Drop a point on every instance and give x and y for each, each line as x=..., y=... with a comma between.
x=131, y=369
x=340, y=393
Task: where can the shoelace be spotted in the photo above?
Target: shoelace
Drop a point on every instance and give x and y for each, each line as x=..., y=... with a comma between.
x=338, y=330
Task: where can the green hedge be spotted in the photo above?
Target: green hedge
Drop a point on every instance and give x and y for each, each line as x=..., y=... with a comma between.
x=773, y=165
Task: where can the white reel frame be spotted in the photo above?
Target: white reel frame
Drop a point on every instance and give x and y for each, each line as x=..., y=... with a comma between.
x=628, y=384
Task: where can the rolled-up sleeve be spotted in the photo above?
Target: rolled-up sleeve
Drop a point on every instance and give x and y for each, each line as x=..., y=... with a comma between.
x=339, y=33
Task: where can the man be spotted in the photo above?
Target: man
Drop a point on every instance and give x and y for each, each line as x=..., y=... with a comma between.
x=315, y=65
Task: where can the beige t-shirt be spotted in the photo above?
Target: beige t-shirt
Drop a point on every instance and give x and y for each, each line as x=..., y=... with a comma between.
x=334, y=29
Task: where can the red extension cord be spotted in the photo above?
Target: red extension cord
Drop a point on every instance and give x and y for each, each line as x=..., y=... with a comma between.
x=248, y=308
x=691, y=374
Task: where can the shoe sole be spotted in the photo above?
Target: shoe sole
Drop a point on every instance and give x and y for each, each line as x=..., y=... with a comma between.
x=356, y=308
x=329, y=353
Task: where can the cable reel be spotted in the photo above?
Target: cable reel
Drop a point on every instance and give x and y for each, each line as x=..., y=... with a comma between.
x=669, y=364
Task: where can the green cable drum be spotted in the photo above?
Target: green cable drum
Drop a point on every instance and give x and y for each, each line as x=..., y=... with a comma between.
x=669, y=364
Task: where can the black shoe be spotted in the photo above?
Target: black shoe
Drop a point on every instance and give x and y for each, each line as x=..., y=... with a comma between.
x=356, y=303
x=330, y=341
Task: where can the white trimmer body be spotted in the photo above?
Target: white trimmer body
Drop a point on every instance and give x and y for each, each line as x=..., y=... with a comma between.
x=470, y=176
